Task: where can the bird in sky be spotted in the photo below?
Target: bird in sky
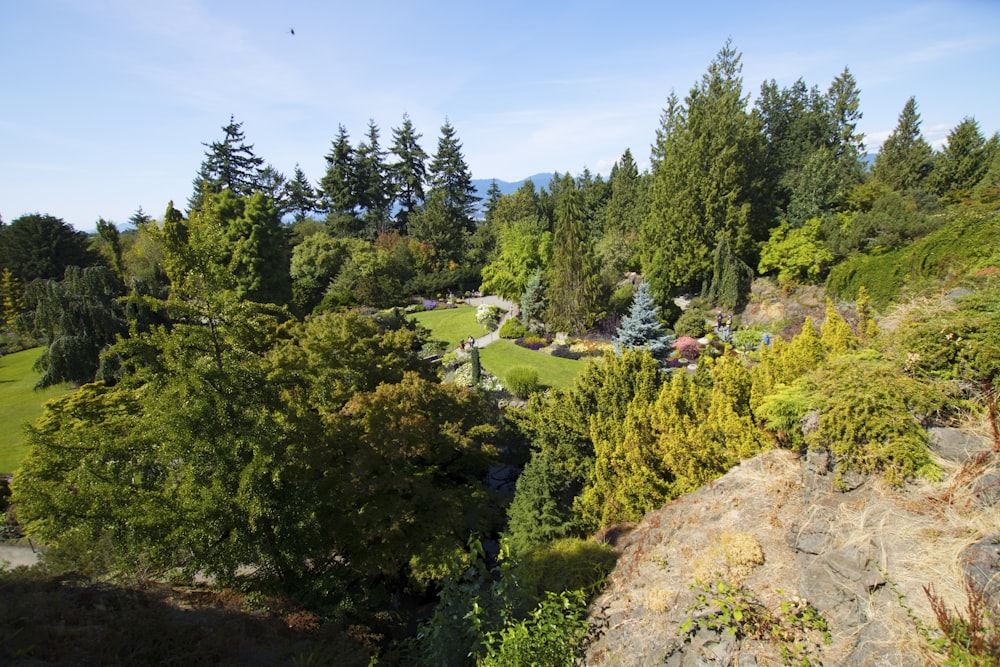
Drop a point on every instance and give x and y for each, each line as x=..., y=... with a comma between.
x=291, y=30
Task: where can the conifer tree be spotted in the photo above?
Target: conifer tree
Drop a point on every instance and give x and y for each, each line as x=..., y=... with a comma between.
x=302, y=198
x=574, y=286
x=338, y=185
x=374, y=187
x=835, y=333
x=729, y=286
x=705, y=180
x=905, y=159
x=804, y=353
x=450, y=174
x=963, y=161
x=229, y=164
x=641, y=327
x=409, y=172
x=11, y=301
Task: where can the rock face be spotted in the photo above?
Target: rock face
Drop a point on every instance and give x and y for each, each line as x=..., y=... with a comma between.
x=860, y=558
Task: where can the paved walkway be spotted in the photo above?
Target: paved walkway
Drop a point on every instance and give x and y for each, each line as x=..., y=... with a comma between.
x=492, y=336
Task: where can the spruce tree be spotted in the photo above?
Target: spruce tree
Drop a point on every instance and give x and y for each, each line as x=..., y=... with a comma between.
x=906, y=158
x=963, y=161
x=641, y=327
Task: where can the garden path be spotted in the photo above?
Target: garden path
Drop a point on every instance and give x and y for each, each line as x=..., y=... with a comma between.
x=492, y=300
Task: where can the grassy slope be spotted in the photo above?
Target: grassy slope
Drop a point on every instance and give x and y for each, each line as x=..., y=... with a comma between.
x=19, y=404
x=499, y=357
x=451, y=324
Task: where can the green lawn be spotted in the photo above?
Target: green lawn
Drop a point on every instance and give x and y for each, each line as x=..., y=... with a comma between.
x=19, y=404
x=451, y=324
x=501, y=356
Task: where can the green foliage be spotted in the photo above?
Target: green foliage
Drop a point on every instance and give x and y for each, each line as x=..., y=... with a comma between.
x=574, y=292
x=513, y=328
x=795, y=625
x=972, y=639
x=905, y=159
x=488, y=315
x=729, y=285
x=835, y=333
x=524, y=247
x=693, y=322
x=965, y=243
x=554, y=633
x=79, y=316
x=705, y=180
x=869, y=417
x=522, y=381
x=797, y=254
x=781, y=413
x=555, y=372
x=42, y=246
x=568, y=563
x=540, y=511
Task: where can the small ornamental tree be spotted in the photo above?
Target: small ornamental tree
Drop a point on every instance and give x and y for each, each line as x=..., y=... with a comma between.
x=835, y=333
x=641, y=327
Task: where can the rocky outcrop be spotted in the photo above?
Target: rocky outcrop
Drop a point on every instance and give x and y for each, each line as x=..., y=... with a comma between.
x=860, y=558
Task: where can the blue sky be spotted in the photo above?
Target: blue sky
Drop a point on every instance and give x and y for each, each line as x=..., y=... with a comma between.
x=106, y=103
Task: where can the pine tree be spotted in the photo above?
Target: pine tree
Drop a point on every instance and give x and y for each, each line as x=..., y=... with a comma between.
x=906, y=158
x=574, y=286
x=450, y=174
x=409, y=172
x=641, y=327
x=229, y=164
x=139, y=218
x=492, y=200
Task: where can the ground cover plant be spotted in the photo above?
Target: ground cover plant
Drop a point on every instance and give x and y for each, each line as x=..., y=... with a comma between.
x=20, y=403
x=451, y=324
x=500, y=357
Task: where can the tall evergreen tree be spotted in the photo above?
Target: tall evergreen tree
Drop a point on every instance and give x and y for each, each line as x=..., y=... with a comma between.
x=229, y=164
x=641, y=327
x=906, y=158
x=302, y=197
x=450, y=174
x=574, y=285
x=373, y=182
x=408, y=172
x=492, y=200
x=338, y=185
x=139, y=218
x=705, y=180
x=274, y=185
x=963, y=161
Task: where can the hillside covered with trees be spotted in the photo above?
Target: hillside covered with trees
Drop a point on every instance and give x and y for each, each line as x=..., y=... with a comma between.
x=255, y=410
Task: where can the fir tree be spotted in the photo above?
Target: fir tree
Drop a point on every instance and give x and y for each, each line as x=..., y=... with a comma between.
x=731, y=278
x=450, y=174
x=302, y=198
x=641, y=327
x=409, y=172
x=373, y=183
x=906, y=158
x=229, y=164
x=338, y=183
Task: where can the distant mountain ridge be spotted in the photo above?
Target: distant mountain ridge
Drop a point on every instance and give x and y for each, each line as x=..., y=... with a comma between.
x=482, y=185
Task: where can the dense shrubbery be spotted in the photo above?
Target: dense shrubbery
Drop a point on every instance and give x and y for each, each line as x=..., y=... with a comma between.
x=522, y=381
x=693, y=322
x=513, y=328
